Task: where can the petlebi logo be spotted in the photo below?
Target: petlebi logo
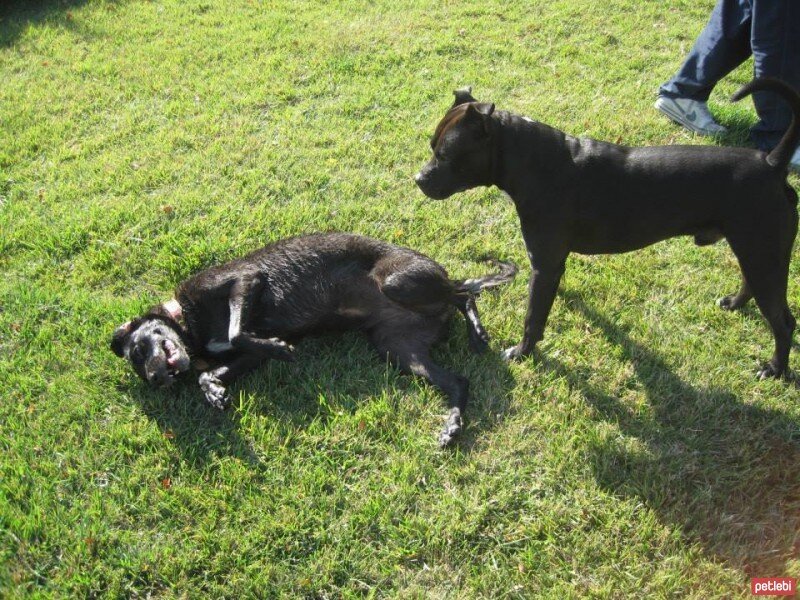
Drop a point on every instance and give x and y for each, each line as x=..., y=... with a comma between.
x=773, y=586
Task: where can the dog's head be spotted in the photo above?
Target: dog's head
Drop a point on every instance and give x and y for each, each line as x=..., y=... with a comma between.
x=463, y=153
x=156, y=347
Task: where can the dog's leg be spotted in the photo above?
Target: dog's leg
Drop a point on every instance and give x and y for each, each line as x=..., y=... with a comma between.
x=213, y=382
x=783, y=324
x=412, y=356
x=737, y=300
x=547, y=267
x=424, y=287
x=417, y=283
x=241, y=295
x=478, y=337
x=766, y=270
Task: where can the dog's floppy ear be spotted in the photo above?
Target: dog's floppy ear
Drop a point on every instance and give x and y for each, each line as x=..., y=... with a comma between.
x=121, y=334
x=463, y=95
x=480, y=112
x=483, y=108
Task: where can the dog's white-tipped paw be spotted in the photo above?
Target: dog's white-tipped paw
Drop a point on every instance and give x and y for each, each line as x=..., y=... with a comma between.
x=283, y=350
x=767, y=371
x=215, y=393
x=513, y=353
x=726, y=303
x=770, y=371
x=451, y=431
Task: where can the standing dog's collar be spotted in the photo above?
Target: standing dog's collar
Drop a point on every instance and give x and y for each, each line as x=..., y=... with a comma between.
x=495, y=151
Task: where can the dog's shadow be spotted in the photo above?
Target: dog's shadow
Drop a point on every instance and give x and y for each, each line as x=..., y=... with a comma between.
x=196, y=429
x=332, y=375
x=722, y=470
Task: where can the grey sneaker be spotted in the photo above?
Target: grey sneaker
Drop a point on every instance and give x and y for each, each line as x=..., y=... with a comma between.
x=692, y=114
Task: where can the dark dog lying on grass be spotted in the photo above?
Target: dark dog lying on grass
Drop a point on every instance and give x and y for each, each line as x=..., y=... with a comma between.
x=581, y=195
x=252, y=308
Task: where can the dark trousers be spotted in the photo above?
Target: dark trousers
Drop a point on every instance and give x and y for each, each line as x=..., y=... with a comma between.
x=769, y=30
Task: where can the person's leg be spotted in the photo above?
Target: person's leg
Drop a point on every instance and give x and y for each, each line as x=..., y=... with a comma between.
x=722, y=46
x=776, y=53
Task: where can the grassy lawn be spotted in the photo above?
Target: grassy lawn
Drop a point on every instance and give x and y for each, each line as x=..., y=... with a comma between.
x=140, y=141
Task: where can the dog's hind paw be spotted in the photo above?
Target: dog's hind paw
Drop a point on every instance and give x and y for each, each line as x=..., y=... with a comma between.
x=215, y=393
x=452, y=429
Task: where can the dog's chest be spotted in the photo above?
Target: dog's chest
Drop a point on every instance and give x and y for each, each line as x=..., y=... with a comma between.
x=215, y=346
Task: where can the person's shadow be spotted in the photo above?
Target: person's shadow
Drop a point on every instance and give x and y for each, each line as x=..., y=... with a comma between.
x=724, y=471
x=332, y=375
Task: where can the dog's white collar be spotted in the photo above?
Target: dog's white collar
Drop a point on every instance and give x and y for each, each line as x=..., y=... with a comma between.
x=174, y=309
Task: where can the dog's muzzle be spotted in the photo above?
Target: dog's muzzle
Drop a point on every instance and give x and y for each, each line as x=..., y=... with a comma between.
x=423, y=181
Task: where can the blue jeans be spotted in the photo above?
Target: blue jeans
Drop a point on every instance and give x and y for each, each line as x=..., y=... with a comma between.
x=769, y=30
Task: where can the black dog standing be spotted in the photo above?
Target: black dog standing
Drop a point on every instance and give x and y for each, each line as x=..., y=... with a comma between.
x=581, y=195
x=251, y=309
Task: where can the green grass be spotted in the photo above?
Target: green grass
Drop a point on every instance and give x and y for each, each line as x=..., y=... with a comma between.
x=143, y=140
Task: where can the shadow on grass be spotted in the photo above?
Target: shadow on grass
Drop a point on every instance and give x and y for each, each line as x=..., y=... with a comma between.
x=198, y=430
x=724, y=471
x=346, y=372
x=18, y=15
x=343, y=370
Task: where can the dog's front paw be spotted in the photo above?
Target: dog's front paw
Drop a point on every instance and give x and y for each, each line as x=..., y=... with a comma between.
x=452, y=429
x=215, y=393
x=728, y=302
x=734, y=301
x=514, y=353
x=479, y=342
x=770, y=371
x=282, y=350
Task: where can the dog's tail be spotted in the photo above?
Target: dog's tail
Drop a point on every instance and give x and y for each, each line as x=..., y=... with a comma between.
x=506, y=272
x=780, y=156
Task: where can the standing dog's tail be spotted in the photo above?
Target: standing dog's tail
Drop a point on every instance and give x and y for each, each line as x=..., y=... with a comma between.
x=507, y=271
x=780, y=156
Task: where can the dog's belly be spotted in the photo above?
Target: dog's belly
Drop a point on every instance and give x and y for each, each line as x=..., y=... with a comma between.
x=615, y=246
x=643, y=215
x=618, y=238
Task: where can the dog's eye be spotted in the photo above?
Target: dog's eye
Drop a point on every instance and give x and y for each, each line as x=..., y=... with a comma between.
x=137, y=354
x=158, y=331
x=439, y=156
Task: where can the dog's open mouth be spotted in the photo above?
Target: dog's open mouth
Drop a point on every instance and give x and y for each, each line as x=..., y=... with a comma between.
x=173, y=358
